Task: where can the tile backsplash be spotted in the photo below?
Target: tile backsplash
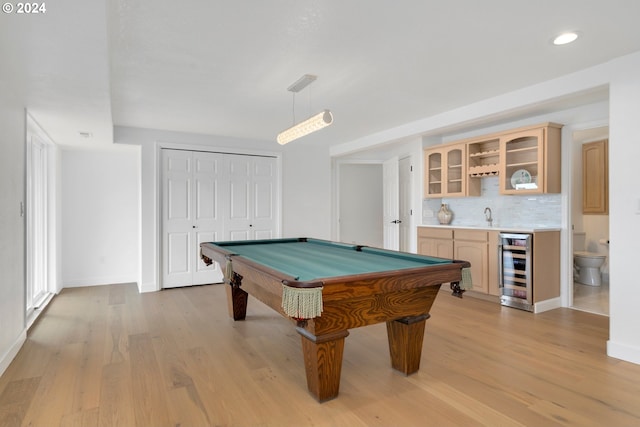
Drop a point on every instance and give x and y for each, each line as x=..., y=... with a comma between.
x=544, y=210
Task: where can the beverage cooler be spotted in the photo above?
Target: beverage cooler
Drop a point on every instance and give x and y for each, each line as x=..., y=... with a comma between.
x=515, y=270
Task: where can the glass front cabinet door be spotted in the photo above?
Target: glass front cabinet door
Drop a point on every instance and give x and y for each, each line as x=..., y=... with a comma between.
x=445, y=171
x=531, y=161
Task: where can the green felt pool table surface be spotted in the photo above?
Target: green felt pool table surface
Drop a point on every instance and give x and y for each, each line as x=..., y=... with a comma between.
x=313, y=259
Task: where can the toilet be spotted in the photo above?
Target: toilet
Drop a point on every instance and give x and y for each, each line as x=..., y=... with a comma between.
x=586, y=265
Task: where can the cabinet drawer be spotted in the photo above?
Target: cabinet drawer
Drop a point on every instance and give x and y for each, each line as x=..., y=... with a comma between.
x=435, y=233
x=473, y=235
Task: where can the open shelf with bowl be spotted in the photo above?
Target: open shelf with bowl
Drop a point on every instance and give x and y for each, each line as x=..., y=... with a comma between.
x=531, y=160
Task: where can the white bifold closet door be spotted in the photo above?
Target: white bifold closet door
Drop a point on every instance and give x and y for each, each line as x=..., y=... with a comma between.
x=191, y=214
x=252, y=198
x=212, y=197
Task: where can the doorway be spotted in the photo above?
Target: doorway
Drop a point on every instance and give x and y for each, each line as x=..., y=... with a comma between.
x=362, y=192
x=360, y=204
x=590, y=231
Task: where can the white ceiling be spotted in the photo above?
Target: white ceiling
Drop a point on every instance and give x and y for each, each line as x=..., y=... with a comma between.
x=222, y=67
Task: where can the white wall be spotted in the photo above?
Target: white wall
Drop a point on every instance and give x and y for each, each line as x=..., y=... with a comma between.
x=12, y=231
x=100, y=193
x=306, y=191
x=624, y=209
x=360, y=204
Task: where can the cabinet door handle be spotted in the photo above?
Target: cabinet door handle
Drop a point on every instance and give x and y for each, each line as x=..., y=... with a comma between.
x=500, y=272
x=396, y=221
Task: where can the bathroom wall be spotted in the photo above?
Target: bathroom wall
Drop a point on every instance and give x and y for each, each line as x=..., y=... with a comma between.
x=507, y=211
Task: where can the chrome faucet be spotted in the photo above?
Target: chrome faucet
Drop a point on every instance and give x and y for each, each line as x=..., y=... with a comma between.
x=488, y=217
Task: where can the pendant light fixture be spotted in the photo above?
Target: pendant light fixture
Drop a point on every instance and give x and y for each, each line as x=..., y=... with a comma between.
x=310, y=125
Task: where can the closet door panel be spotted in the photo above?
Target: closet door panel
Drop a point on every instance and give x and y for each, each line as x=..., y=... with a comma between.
x=179, y=254
x=203, y=273
x=238, y=235
x=208, y=225
x=206, y=182
x=178, y=184
x=177, y=207
x=239, y=201
x=264, y=198
x=238, y=224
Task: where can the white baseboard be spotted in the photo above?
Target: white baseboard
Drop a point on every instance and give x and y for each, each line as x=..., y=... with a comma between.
x=547, y=305
x=6, y=359
x=624, y=352
x=98, y=281
x=148, y=287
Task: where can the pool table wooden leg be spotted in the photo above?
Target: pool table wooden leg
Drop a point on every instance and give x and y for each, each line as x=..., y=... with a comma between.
x=323, y=362
x=237, y=302
x=405, y=342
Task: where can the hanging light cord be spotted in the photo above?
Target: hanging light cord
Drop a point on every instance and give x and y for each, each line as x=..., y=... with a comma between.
x=293, y=107
x=293, y=104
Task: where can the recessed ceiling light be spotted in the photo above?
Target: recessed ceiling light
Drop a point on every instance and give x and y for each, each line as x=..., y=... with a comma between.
x=85, y=134
x=565, y=38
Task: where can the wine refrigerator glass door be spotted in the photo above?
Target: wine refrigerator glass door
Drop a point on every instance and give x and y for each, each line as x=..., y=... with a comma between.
x=515, y=270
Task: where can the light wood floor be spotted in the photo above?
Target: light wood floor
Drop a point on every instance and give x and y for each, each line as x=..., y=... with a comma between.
x=594, y=299
x=108, y=356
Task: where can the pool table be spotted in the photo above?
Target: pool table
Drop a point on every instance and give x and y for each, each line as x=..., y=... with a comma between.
x=332, y=287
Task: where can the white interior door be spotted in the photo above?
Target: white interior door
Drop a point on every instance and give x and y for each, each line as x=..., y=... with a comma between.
x=404, y=203
x=190, y=216
x=252, y=205
x=208, y=172
x=239, y=208
x=177, y=225
x=264, y=190
x=391, y=211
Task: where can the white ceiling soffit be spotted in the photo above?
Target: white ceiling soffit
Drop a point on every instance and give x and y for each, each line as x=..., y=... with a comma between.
x=56, y=63
x=223, y=68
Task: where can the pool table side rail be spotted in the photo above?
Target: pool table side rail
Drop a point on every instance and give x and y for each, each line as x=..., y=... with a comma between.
x=392, y=280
